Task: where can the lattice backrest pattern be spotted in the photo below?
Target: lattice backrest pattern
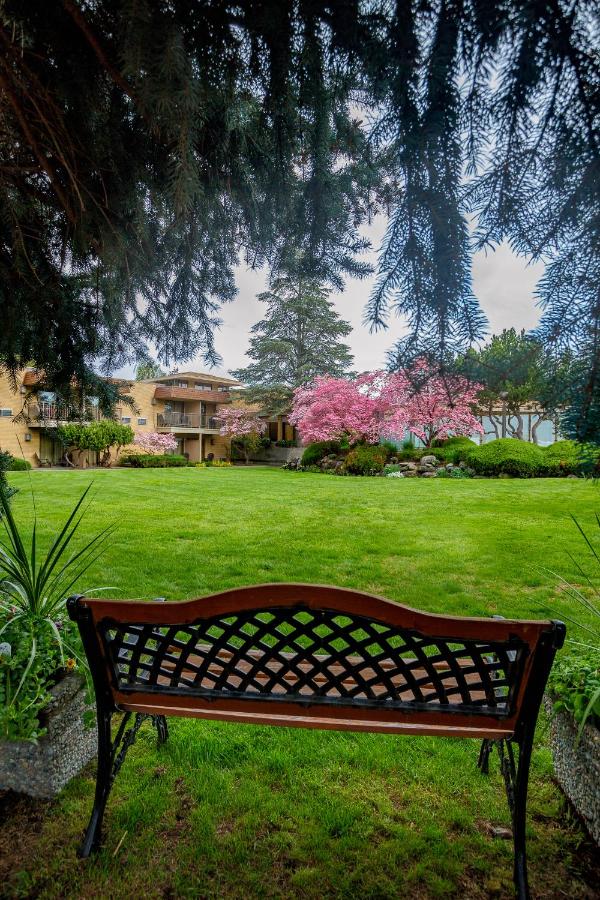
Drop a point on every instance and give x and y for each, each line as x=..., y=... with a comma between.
x=307, y=655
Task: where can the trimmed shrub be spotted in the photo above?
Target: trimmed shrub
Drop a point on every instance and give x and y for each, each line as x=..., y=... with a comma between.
x=454, y=449
x=569, y=458
x=314, y=453
x=152, y=461
x=366, y=460
x=19, y=465
x=507, y=456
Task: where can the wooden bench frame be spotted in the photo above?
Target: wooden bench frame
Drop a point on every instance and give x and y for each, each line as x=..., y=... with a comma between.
x=314, y=656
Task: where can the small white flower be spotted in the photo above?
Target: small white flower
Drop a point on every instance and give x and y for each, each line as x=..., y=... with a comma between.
x=5, y=650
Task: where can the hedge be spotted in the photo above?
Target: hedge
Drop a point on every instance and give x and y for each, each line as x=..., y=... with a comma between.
x=453, y=450
x=19, y=465
x=153, y=461
x=507, y=456
x=570, y=458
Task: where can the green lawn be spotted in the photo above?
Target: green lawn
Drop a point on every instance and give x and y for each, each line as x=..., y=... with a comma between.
x=237, y=811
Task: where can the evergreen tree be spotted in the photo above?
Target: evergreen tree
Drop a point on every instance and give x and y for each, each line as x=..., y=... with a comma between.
x=299, y=337
x=147, y=369
x=515, y=369
x=144, y=146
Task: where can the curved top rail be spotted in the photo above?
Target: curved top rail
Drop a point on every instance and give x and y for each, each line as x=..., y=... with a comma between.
x=313, y=596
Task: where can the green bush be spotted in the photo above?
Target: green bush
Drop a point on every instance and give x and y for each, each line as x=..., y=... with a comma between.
x=314, y=453
x=6, y=460
x=454, y=473
x=390, y=448
x=410, y=452
x=153, y=461
x=454, y=449
x=569, y=458
x=507, y=456
x=366, y=460
x=19, y=465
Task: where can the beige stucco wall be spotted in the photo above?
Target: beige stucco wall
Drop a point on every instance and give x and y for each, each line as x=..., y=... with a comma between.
x=12, y=434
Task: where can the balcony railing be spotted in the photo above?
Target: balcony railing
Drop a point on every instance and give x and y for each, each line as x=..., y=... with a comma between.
x=186, y=420
x=46, y=411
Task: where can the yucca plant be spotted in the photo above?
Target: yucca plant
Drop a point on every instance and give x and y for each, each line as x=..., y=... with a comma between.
x=37, y=638
x=575, y=678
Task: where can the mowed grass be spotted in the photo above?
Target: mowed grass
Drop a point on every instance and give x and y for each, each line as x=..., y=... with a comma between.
x=242, y=811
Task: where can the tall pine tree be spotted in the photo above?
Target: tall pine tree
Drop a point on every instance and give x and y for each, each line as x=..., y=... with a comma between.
x=299, y=338
x=145, y=146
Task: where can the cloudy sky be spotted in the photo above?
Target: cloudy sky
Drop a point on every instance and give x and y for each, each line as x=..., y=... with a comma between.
x=503, y=282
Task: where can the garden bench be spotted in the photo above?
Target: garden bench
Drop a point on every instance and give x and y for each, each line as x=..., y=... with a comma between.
x=317, y=657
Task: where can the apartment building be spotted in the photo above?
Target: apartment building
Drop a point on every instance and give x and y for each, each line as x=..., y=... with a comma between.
x=185, y=404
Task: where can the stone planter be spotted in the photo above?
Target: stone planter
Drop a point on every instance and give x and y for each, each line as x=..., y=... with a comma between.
x=42, y=769
x=577, y=768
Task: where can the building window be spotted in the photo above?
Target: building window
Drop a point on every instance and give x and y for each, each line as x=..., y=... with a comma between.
x=142, y=421
x=126, y=420
x=203, y=387
x=182, y=384
x=5, y=413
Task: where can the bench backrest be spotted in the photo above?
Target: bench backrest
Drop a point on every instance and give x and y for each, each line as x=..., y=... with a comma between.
x=319, y=657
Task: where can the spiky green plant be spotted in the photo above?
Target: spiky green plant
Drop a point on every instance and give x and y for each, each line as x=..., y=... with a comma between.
x=34, y=627
x=575, y=680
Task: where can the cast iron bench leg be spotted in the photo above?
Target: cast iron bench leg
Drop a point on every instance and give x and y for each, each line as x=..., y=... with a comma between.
x=111, y=756
x=520, y=812
x=91, y=840
x=516, y=781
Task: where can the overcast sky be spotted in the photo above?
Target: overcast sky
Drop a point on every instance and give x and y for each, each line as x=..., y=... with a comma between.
x=503, y=283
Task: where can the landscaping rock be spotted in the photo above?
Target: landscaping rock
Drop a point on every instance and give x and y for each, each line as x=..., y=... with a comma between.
x=429, y=460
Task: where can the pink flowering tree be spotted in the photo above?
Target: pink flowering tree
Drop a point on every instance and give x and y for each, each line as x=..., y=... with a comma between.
x=431, y=405
x=154, y=442
x=337, y=408
x=244, y=427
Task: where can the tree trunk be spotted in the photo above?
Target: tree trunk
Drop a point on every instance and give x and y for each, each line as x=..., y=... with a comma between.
x=534, y=427
x=494, y=423
x=518, y=431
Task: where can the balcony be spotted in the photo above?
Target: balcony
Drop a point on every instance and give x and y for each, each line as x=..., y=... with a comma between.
x=44, y=412
x=177, y=420
x=164, y=392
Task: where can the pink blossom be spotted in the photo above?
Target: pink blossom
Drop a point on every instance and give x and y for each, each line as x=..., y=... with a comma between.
x=154, y=442
x=379, y=404
x=432, y=405
x=334, y=408
x=240, y=422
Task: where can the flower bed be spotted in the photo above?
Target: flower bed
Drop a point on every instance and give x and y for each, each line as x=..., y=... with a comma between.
x=456, y=457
